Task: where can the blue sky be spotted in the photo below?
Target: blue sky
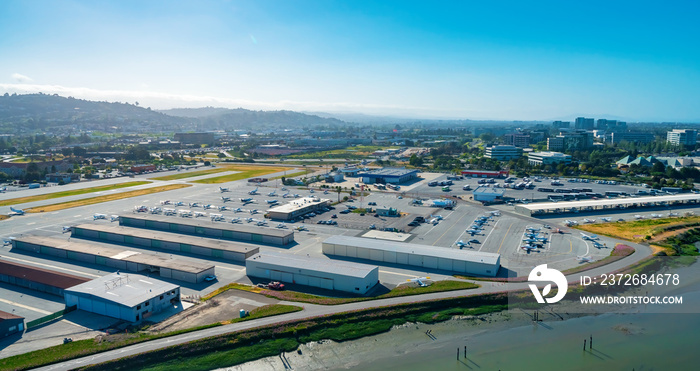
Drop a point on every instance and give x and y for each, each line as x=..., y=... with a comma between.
x=511, y=60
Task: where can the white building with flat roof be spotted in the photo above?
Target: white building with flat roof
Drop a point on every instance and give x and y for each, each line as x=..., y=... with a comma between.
x=548, y=158
x=684, y=137
x=503, y=153
x=297, y=207
x=130, y=297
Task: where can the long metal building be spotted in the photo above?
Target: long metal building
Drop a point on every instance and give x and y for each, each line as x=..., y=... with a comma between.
x=39, y=279
x=178, y=269
x=431, y=257
x=234, y=232
x=164, y=240
x=316, y=272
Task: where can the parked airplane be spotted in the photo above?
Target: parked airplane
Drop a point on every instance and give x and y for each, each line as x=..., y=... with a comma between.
x=272, y=194
x=301, y=228
x=253, y=192
x=434, y=221
x=271, y=202
x=194, y=204
x=225, y=199
x=254, y=211
x=421, y=281
x=249, y=220
x=16, y=211
x=235, y=220
x=569, y=223
x=281, y=225
x=261, y=223
x=462, y=244
x=438, y=217
x=209, y=206
x=286, y=195
x=197, y=214
x=296, y=195
x=165, y=202
x=532, y=229
x=223, y=189
x=639, y=216
x=237, y=210
x=185, y=213
x=3, y=189
x=155, y=210
x=473, y=232
x=284, y=188
x=585, y=259
x=8, y=241
x=140, y=209
x=246, y=200
x=528, y=247
x=598, y=245
x=589, y=220
x=179, y=203
x=606, y=219
x=495, y=213
x=99, y=216
x=169, y=212
x=66, y=229
x=216, y=217
x=591, y=237
x=656, y=215
x=672, y=214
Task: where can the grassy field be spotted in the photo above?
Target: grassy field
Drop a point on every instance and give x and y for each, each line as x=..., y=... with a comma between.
x=641, y=230
x=349, y=152
x=192, y=174
x=240, y=347
x=48, y=196
x=245, y=172
x=105, y=198
x=324, y=300
x=294, y=174
x=267, y=311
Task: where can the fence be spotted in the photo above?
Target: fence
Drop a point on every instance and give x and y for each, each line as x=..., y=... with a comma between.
x=50, y=317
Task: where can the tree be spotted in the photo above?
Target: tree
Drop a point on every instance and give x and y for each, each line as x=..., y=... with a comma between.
x=658, y=167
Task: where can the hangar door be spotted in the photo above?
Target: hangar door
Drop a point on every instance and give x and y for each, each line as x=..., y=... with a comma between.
x=281, y=276
x=85, y=304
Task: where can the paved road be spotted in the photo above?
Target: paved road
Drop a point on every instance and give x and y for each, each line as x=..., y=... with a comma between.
x=311, y=310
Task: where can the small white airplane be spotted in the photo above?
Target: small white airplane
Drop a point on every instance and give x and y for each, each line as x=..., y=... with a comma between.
x=421, y=281
x=261, y=223
x=169, y=212
x=8, y=241
x=253, y=192
x=113, y=218
x=185, y=213
x=222, y=208
x=296, y=195
x=639, y=216
x=209, y=206
x=569, y=223
x=235, y=220
x=165, y=202
x=225, y=199
x=532, y=229
x=528, y=247
x=140, y=209
x=286, y=195
x=656, y=215
x=99, y=216
x=606, y=219
x=438, y=217
x=672, y=214
x=597, y=245
x=272, y=194
x=246, y=200
x=216, y=217
x=249, y=220
x=531, y=240
x=434, y=221
x=179, y=203
x=271, y=202
x=301, y=228
x=223, y=189
x=237, y=210
x=66, y=229
x=194, y=204
x=495, y=213
x=281, y=225
x=254, y=211
x=591, y=237
x=463, y=244
x=473, y=232
x=584, y=259
x=197, y=214
x=589, y=220
x=155, y=210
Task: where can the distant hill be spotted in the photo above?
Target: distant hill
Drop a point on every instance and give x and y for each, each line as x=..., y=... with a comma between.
x=42, y=112
x=239, y=118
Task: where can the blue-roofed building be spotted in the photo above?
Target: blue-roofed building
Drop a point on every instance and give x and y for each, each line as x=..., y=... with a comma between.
x=388, y=175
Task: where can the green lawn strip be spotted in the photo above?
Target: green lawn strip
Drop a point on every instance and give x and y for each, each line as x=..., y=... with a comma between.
x=438, y=286
x=82, y=348
x=104, y=198
x=48, y=196
x=244, y=174
x=292, y=175
x=244, y=346
x=267, y=311
x=192, y=174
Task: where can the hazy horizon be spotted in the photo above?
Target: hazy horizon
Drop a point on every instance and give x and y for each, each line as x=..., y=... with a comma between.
x=462, y=60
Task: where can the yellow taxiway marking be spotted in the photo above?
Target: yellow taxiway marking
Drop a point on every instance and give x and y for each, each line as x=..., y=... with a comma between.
x=24, y=306
x=504, y=238
x=50, y=266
